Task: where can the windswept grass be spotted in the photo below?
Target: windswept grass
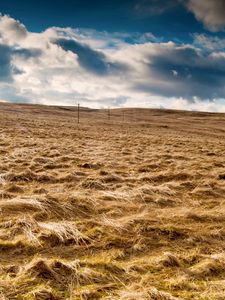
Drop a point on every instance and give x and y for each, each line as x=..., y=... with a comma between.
x=111, y=210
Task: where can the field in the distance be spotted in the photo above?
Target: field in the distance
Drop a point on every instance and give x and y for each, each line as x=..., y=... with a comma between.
x=131, y=208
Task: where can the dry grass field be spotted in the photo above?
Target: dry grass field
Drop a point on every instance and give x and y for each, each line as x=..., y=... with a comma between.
x=131, y=208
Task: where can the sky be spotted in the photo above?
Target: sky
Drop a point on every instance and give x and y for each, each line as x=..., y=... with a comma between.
x=136, y=53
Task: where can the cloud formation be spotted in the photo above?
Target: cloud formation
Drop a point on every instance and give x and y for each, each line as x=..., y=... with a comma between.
x=90, y=59
x=210, y=12
x=11, y=30
x=99, y=69
x=197, y=74
x=211, y=43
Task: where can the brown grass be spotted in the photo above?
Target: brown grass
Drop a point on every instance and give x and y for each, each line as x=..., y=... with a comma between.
x=111, y=210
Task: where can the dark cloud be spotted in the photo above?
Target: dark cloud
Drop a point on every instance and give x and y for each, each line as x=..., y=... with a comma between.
x=90, y=59
x=5, y=63
x=7, y=69
x=26, y=53
x=210, y=12
x=186, y=72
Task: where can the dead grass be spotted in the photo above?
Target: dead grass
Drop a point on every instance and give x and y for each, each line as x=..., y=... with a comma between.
x=111, y=210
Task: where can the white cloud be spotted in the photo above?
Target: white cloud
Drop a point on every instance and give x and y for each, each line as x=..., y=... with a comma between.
x=11, y=31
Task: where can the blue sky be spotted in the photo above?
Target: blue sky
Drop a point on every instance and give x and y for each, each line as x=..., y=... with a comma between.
x=150, y=53
x=175, y=22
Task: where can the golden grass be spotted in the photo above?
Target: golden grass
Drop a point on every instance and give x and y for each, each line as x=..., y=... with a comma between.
x=111, y=210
